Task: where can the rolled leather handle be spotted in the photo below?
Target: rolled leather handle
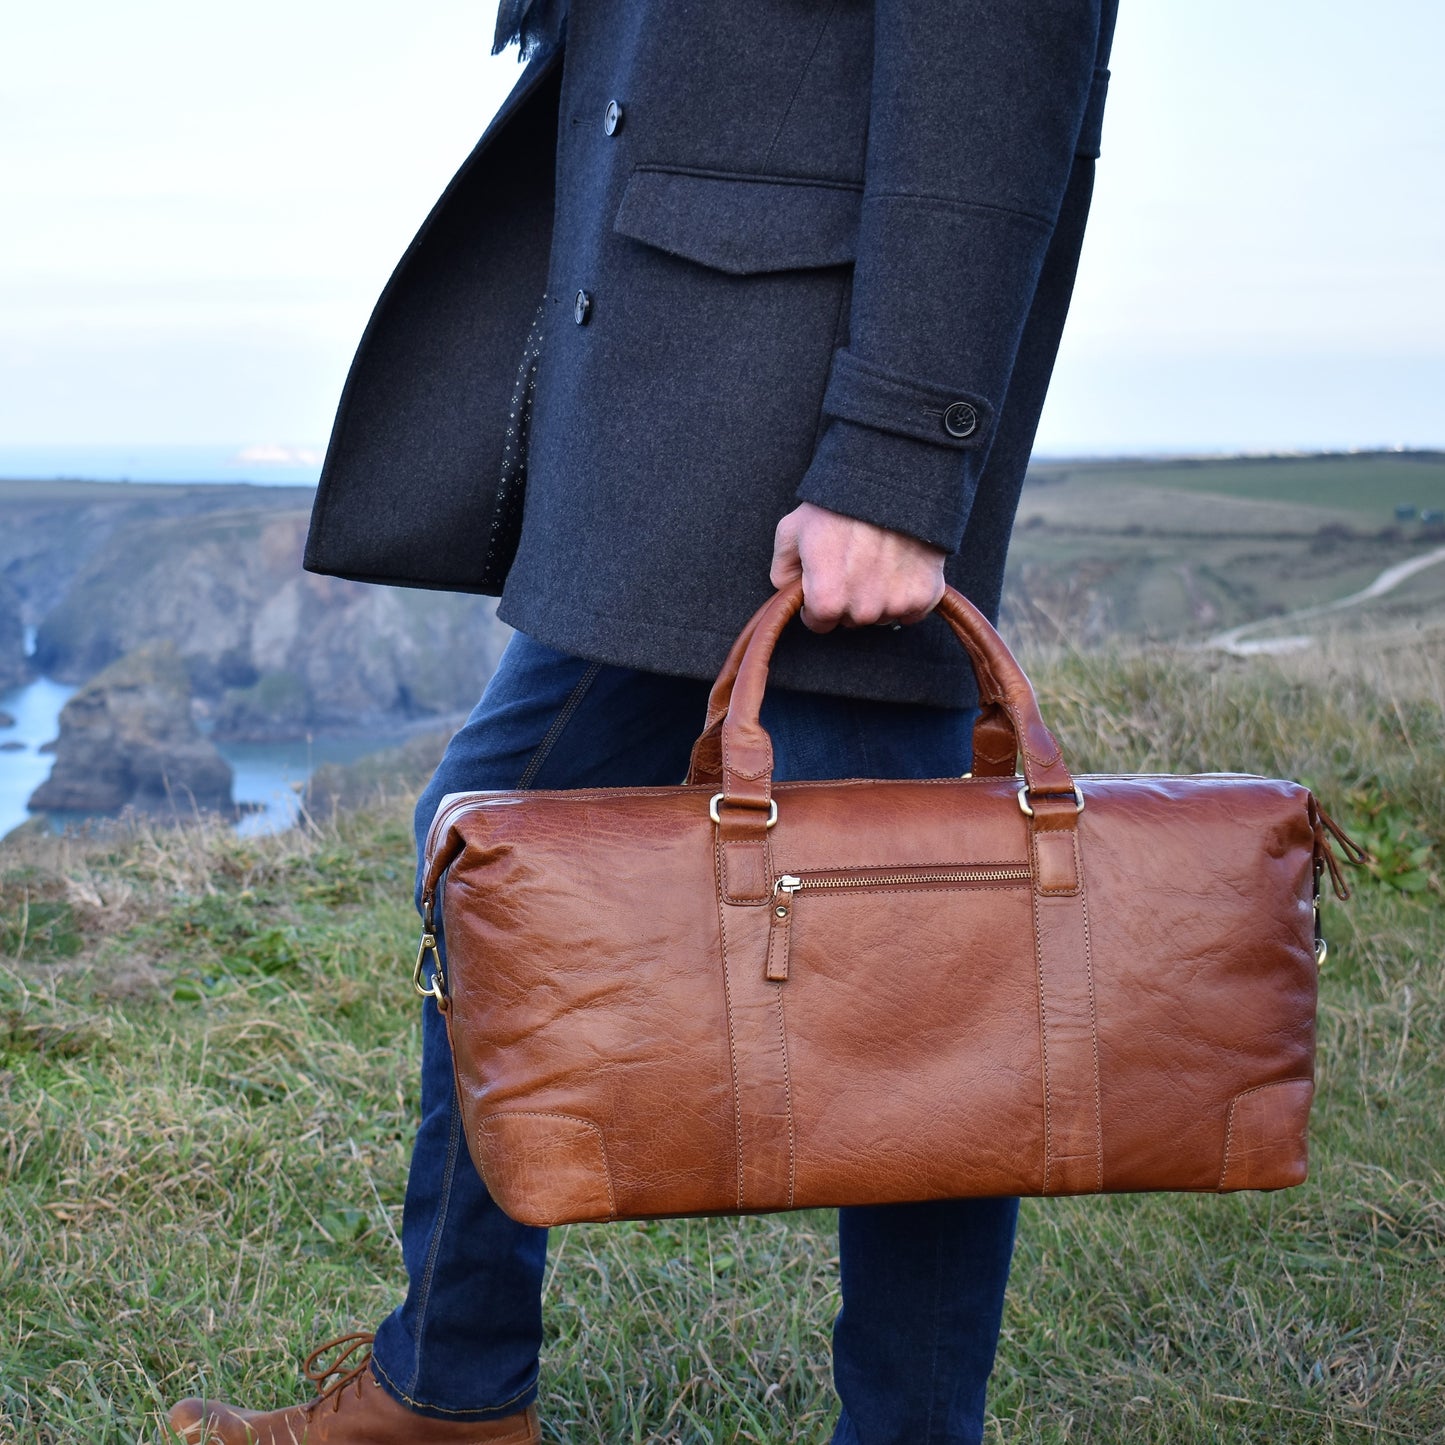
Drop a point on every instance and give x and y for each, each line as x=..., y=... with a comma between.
x=705, y=765
x=741, y=760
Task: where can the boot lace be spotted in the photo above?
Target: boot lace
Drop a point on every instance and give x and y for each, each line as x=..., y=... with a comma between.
x=344, y=1365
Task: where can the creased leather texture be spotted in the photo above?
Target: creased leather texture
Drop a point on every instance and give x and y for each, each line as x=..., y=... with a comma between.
x=903, y=990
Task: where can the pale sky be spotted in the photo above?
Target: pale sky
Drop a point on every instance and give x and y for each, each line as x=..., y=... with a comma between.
x=201, y=204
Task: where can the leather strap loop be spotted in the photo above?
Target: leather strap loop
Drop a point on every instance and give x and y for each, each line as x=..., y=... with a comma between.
x=706, y=762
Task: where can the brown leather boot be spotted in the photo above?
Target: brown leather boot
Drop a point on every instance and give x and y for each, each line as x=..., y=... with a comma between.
x=352, y=1410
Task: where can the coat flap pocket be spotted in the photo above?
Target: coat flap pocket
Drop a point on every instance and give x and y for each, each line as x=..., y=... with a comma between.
x=741, y=223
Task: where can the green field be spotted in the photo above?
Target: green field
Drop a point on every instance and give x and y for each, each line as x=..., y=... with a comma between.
x=207, y=1093
x=1370, y=483
x=1185, y=550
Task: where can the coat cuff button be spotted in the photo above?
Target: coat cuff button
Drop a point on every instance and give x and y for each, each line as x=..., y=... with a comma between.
x=960, y=420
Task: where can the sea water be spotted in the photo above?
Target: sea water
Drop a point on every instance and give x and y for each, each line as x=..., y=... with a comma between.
x=269, y=777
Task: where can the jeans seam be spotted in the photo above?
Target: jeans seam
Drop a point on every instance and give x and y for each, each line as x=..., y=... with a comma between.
x=424, y=1294
x=564, y=715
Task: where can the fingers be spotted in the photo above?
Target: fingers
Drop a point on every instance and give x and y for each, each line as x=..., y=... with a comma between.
x=827, y=605
x=910, y=615
x=854, y=574
x=901, y=603
x=824, y=606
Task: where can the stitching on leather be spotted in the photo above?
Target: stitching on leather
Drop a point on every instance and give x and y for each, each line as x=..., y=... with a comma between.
x=728, y=1004
x=1043, y=1024
x=591, y=794
x=788, y=1099
x=1011, y=887
x=1021, y=733
x=682, y=789
x=746, y=900
x=756, y=772
x=1093, y=1029
x=1077, y=885
x=767, y=764
x=564, y=716
x=1229, y=1127
x=473, y=1415
x=571, y=1119
x=905, y=867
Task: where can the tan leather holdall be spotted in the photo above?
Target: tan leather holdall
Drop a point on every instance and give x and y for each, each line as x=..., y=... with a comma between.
x=730, y=996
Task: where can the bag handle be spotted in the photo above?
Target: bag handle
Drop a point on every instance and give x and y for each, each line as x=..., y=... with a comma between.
x=734, y=751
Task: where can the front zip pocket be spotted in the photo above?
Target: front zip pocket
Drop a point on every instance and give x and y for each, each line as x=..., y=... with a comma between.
x=789, y=885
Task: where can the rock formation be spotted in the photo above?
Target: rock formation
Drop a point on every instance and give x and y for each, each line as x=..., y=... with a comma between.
x=14, y=665
x=127, y=738
x=272, y=651
x=51, y=531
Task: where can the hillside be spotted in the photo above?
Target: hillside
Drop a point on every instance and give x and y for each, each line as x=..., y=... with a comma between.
x=1185, y=549
x=272, y=652
x=49, y=530
x=279, y=650
x=207, y=1096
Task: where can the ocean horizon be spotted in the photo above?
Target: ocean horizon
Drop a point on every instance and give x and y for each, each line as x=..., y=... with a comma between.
x=276, y=464
x=261, y=464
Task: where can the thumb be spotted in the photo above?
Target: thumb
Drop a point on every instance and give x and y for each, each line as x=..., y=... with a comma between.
x=787, y=564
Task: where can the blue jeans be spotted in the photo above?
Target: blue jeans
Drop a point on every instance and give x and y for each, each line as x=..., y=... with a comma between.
x=923, y=1284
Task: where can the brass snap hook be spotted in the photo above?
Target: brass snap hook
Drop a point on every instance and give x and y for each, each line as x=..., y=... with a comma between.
x=437, y=987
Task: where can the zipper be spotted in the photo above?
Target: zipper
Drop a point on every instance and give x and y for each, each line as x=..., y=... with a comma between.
x=789, y=885
x=467, y=803
x=444, y=819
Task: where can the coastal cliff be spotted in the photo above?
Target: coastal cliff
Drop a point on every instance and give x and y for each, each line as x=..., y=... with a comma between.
x=127, y=739
x=271, y=652
x=14, y=665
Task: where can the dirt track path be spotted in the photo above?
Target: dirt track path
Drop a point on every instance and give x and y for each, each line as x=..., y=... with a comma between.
x=1233, y=639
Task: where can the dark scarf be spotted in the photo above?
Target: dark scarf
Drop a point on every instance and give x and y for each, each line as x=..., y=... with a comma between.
x=531, y=23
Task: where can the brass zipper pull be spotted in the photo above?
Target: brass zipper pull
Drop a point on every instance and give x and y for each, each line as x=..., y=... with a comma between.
x=784, y=891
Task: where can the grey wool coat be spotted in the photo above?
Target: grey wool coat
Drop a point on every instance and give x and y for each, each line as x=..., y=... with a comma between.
x=790, y=250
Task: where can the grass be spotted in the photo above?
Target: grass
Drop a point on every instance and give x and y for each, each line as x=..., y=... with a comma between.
x=207, y=1093
x=1369, y=483
x=1163, y=551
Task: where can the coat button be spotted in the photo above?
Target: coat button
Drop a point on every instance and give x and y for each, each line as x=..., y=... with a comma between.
x=960, y=420
x=582, y=307
x=613, y=117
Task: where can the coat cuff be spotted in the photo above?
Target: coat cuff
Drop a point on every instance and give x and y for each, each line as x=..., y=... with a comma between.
x=898, y=451
x=862, y=391
x=893, y=480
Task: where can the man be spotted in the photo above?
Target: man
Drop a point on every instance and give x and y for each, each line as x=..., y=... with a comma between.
x=786, y=282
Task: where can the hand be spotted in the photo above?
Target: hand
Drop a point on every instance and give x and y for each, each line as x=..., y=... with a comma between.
x=855, y=574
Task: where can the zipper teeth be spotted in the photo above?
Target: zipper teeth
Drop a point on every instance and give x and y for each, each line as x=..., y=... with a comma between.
x=969, y=875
